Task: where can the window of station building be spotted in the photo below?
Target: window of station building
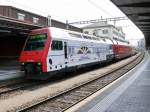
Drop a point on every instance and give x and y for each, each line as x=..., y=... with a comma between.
x=86, y=32
x=114, y=32
x=105, y=31
x=115, y=38
x=87, y=37
x=35, y=20
x=21, y=16
x=104, y=40
x=94, y=33
x=94, y=38
x=57, y=45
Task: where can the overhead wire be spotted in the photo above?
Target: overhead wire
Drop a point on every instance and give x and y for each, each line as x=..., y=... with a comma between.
x=100, y=8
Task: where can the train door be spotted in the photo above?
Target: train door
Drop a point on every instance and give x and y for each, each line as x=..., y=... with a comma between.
x=65, y=50
x=56, y=55
x=65, y=53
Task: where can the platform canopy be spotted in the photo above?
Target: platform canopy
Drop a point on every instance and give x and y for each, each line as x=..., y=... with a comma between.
x=139, y=12
x=8, y=25
x=15, y=26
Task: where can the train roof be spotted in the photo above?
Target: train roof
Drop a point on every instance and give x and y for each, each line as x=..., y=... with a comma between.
x=71, y=35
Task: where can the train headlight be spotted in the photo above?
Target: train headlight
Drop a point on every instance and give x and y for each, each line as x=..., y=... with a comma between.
x=22, y=67
x=38, y=67
x=39, y=64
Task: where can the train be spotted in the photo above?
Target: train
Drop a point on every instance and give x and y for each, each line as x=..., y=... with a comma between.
x=48, y=51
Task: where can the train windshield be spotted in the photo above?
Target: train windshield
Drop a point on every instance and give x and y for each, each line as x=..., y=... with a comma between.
x=36, y=42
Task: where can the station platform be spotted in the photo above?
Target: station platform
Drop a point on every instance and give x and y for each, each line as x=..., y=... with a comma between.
x=10, y=69
x=130, y=93
x=11, y=74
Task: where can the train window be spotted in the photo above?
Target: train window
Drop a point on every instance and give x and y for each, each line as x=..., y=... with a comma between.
x=36, y=42
x=57, y=45
x=110, y=46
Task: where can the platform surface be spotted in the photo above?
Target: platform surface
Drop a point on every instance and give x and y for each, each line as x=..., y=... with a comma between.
x=10, y=69
x=132, y=95
x=10, y=74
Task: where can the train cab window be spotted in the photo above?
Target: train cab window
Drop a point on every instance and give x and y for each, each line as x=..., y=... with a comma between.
x=57, y=45
x=36, y=42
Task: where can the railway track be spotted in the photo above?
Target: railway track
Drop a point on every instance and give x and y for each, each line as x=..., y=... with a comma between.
x=12, y=87
x=19, y=86
x=11, y=90
x=66, y=99
x=11, y=82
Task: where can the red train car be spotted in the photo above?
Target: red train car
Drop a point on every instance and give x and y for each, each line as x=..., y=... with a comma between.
x=122, y=51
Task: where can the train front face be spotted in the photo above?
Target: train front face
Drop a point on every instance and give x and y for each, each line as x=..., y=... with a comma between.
x=33, y=56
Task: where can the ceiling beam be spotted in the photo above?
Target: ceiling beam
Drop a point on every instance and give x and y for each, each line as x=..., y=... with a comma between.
x=142, y=4
x=139, y=14
x=141, y=23
x=144, y=20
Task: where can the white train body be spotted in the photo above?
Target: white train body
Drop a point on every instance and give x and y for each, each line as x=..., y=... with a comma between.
x=65, y=49
x=80, y=51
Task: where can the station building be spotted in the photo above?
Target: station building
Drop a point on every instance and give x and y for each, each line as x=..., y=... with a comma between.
x=105, y=30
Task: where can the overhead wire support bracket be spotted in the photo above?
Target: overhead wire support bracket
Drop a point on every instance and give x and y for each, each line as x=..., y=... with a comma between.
x=100, y=20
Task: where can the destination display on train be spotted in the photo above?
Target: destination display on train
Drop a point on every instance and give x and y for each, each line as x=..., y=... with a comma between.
x=37, y=37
